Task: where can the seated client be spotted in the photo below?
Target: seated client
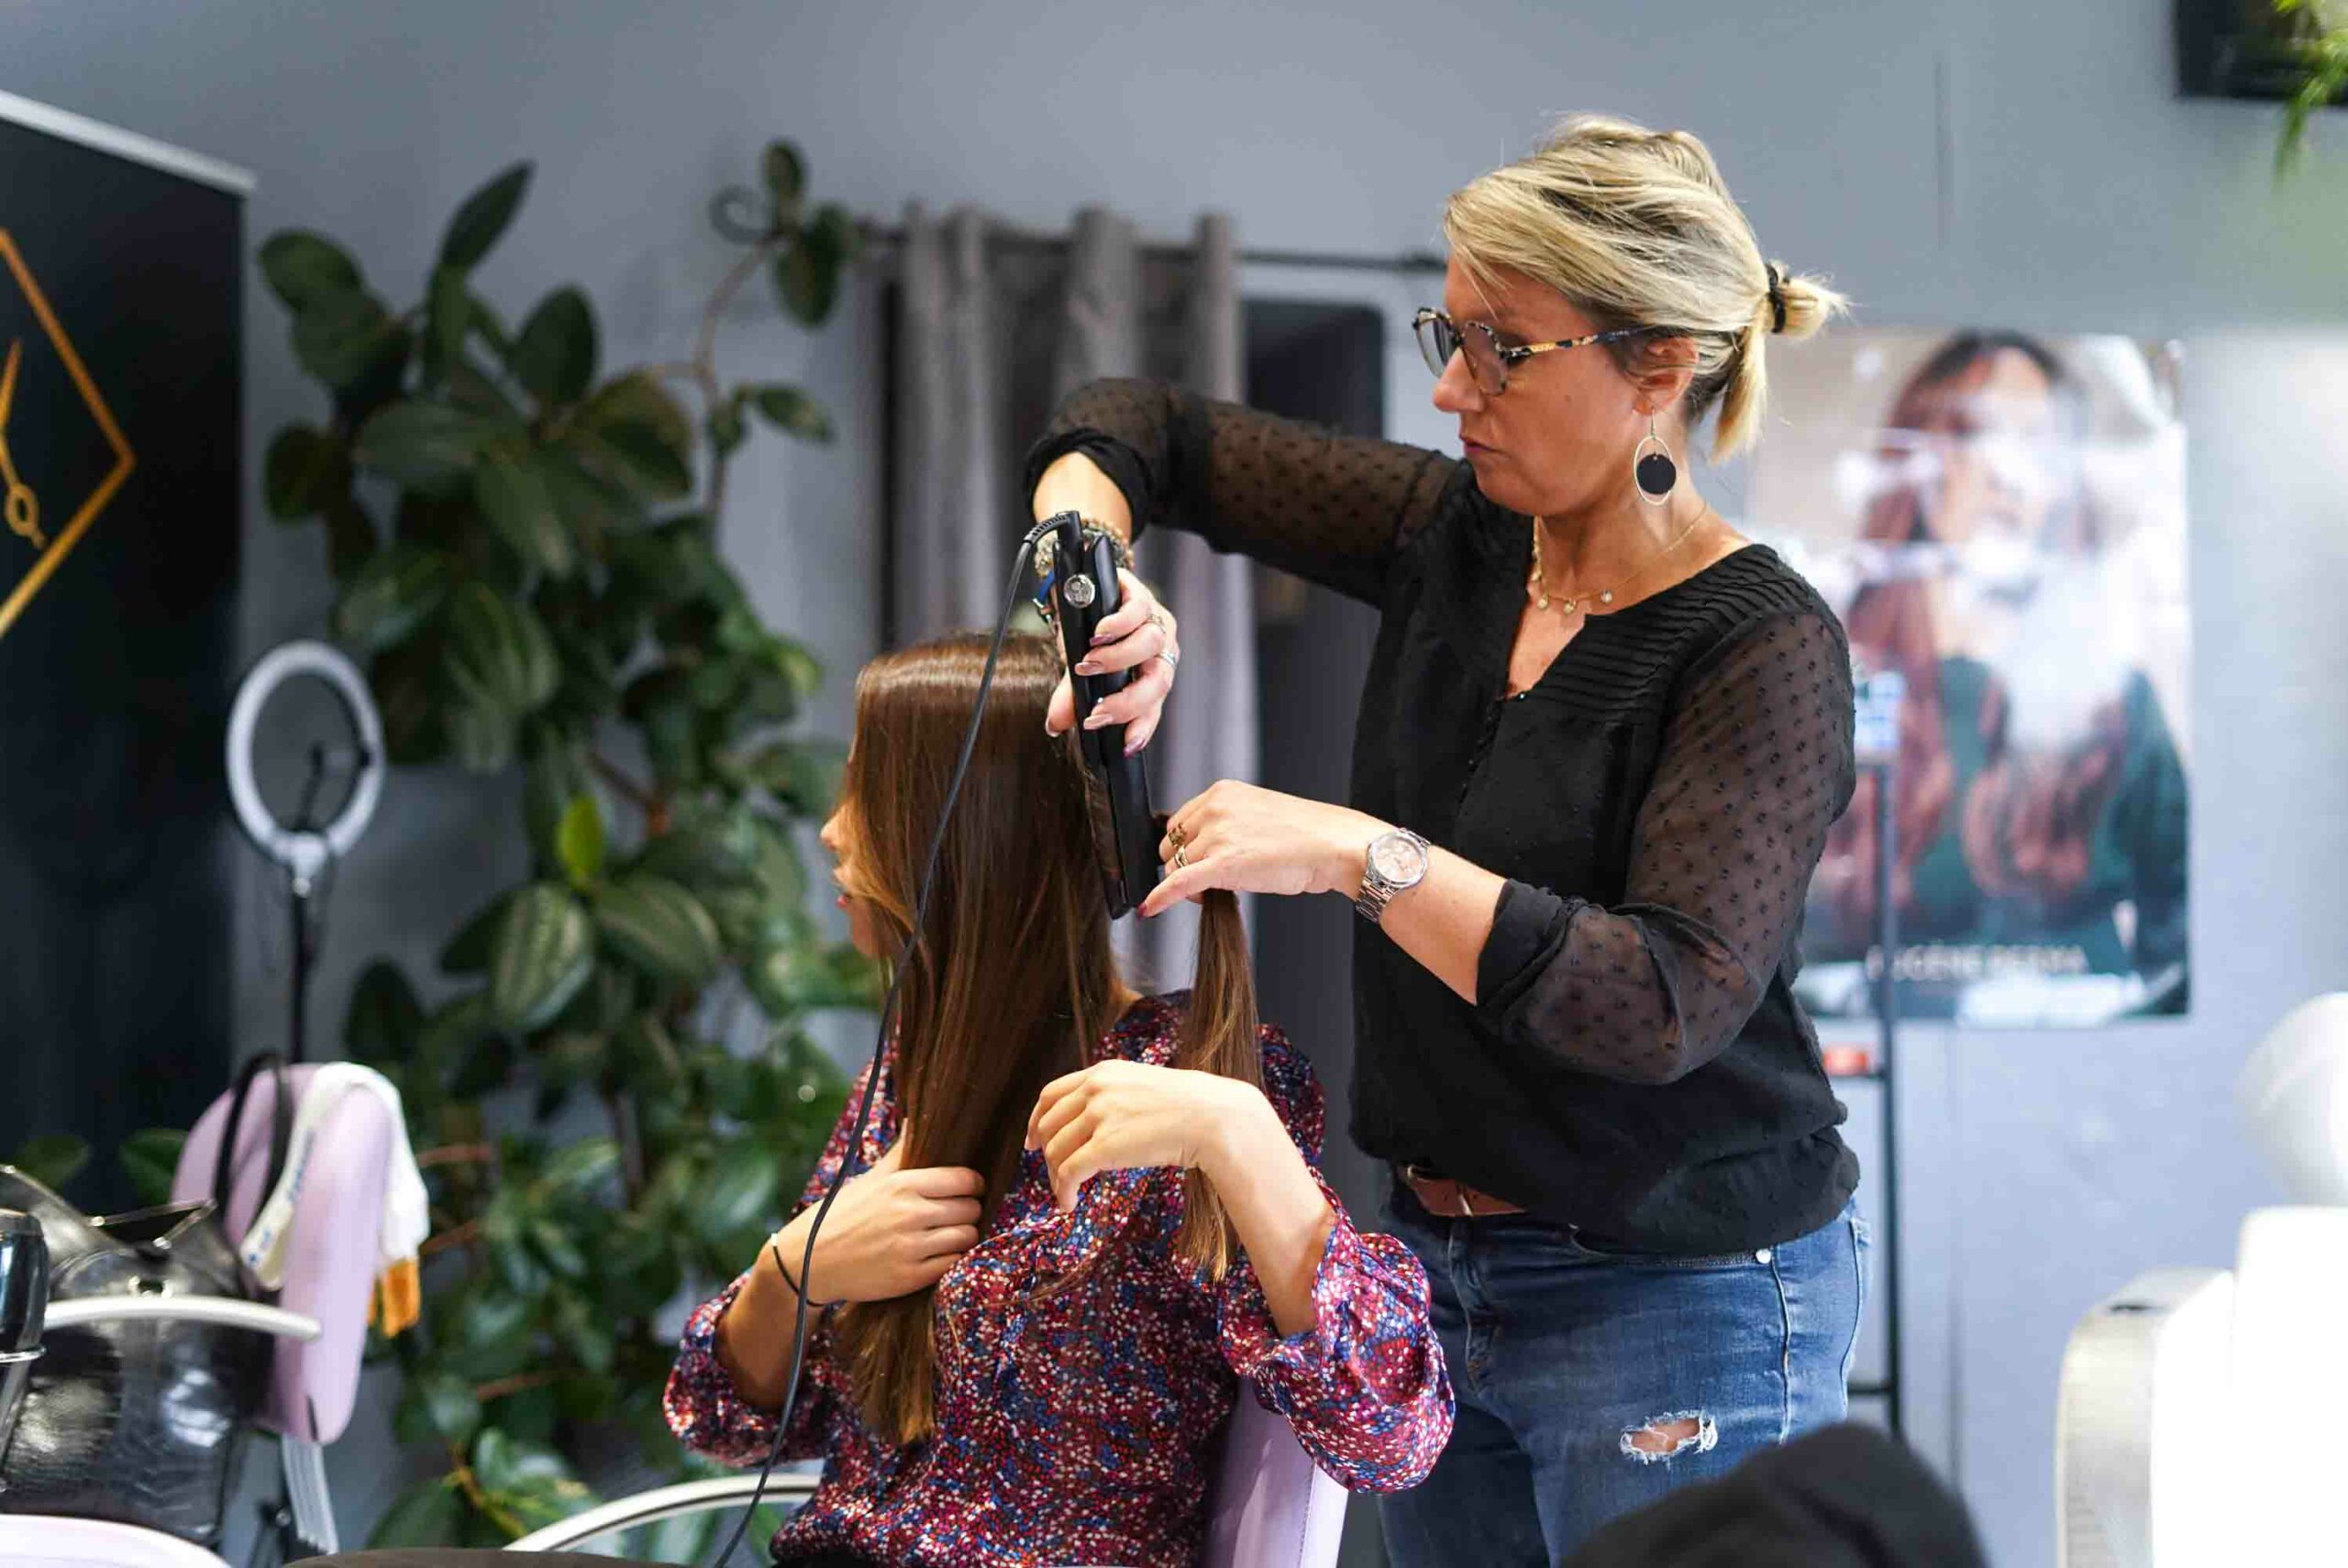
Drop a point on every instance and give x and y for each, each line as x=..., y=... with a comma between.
x=1091, y=1219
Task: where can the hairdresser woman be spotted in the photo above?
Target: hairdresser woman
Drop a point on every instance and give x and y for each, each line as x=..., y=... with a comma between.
x=1599, y=747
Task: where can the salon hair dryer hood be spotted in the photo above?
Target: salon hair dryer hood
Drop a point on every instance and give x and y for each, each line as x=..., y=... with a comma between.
x=24, y=1300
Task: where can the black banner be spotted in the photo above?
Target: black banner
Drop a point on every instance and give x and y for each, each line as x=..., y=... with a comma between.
x=119, y=436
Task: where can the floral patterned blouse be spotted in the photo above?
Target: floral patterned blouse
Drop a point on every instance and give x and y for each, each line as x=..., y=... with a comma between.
x=1084, y=1427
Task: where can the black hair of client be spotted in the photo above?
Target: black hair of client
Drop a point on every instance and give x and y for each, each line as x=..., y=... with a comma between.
x=1012, y=982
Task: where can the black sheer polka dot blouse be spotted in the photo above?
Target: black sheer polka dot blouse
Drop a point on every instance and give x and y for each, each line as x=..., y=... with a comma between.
x=1635, y=1064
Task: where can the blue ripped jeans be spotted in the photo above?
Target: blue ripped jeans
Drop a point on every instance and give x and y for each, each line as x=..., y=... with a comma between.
x=1564, y=1357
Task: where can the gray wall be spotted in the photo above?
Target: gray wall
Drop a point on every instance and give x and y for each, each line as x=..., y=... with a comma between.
x=2017, y=163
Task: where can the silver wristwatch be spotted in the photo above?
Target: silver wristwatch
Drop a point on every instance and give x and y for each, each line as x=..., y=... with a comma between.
x=1396, y=863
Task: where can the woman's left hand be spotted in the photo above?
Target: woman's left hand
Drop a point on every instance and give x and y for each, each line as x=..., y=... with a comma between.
x=1253, y=840
x=1119, y=1115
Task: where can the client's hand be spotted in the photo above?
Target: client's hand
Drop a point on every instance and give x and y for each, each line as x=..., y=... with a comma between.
x=891, y=1231
x=1116, y=1115
x=1140, y=633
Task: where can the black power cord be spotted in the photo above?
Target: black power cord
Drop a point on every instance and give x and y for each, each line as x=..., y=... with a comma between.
x=848, y=1161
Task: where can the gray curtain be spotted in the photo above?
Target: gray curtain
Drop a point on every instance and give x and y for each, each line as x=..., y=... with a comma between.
x=992, y=330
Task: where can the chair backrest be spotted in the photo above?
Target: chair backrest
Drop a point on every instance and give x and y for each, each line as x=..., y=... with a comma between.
x=331, y=1246
x=1272, y=1507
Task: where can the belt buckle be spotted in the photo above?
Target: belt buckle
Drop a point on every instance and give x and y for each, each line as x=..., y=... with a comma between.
x=1414, y=1173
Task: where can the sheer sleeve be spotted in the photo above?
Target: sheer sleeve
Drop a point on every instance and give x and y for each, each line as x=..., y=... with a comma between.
x=1364, y=1387
x=704, y=1407
x=1332, y=509
x=1755, y=766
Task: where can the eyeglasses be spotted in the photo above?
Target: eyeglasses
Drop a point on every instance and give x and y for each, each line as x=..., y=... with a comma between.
x=1489, y=358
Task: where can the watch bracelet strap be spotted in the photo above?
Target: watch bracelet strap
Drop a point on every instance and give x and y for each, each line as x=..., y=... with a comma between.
x=1376, y=892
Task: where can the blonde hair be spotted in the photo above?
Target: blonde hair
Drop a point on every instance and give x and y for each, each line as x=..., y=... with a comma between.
x=1637, y=228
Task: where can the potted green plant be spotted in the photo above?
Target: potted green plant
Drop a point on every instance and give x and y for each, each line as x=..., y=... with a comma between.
x=525, y=548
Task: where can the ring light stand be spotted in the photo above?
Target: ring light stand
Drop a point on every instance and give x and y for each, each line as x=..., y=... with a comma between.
x=306, y=850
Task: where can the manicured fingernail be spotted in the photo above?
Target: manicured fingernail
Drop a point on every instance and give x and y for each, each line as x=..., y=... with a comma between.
x=1134, y=746
x=1099, y=638
x=1098, y=719
x=1088, y=667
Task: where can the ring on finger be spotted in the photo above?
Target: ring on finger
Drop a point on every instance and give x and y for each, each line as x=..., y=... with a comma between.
x=1173, y=659
x=1181, y=856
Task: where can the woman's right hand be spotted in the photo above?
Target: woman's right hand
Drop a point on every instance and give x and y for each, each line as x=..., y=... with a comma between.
x=1140, y=635
x=892, y=1231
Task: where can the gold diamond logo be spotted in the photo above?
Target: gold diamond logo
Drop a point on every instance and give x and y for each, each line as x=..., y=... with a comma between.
x=23, y=506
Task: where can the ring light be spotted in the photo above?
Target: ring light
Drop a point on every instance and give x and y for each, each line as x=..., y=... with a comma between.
x=303, y=852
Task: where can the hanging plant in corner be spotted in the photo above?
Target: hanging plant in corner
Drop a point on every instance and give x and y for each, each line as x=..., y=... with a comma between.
x=523, y=567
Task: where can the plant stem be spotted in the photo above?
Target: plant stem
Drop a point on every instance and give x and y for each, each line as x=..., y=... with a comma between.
x=456, y=1154
x=704, y=360
x=463, y=1236
x=637, y=795
x=520, y=1383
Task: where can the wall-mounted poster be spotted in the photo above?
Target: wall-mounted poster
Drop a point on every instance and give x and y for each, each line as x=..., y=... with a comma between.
x=121, y=288
x=1999, y=520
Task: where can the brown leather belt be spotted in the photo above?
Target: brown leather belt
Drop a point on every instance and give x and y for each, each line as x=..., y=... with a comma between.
x=1452, y=1199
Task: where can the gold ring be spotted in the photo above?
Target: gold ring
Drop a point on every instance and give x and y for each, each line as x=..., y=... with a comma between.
x=1181, y=856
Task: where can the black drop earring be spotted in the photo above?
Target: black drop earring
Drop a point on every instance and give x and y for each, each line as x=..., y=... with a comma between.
x=1652, y=470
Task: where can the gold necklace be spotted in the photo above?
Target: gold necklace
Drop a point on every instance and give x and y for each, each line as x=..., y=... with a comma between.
x=1536, y=583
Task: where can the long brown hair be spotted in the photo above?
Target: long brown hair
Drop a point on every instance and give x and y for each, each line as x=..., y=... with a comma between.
x=2025, y=828
x=1012, y=982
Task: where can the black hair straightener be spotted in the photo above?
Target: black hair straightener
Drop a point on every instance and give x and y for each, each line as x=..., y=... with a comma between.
x=1081, y=589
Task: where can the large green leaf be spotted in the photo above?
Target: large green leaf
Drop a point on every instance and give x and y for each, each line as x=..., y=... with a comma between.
x=344, y=339
x=790, y=410
x=702, y=856
x=590, y=506
x=436, y=1407
x=430, y=1513
x=490, y=1335
x=499, y=653
x=305, y=469
x=350, y=538
x=796, y=978
x=483, y=218
x=807, y=275
x=53, y=1158
x=633, y=434
x=658, y=926
x=467, y=951
x=150, y=1157
x=528, y=1480
x=803, y=774
x=543, y=950
x=451, y=1029
x=431, y=445
x=577, y=1167
x=642, y=459
x=447, y=313
x=518, y=504
x=383, y=1017
x=305, y=269
x=392, y=594
x=743, y=1189
x=484, y=739
x=555, y=355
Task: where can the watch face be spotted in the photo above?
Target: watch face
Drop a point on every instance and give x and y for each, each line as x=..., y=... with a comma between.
x=1397, y=859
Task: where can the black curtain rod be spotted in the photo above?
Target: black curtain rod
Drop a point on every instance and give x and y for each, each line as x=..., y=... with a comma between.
x=1336, y=260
